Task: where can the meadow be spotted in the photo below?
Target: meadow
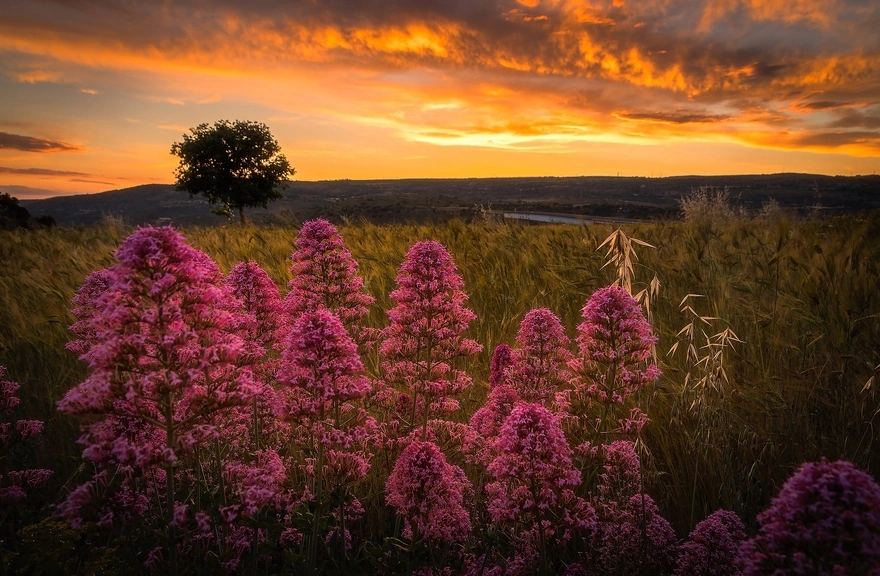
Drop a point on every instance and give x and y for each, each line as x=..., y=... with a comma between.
x=768, y=330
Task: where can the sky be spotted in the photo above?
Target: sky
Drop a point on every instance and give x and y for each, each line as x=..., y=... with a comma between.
x=93, y=93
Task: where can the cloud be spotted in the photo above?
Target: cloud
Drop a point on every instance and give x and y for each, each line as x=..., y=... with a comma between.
x=458, y=71
x=677, y=117
x=40, y=172
x=829, y=139
x=85, y=181
x=30, y=144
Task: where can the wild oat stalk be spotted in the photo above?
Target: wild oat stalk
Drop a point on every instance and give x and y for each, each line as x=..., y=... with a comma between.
x=706, y=378
x=621, y=254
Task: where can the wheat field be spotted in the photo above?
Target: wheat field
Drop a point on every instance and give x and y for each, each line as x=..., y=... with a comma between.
x=774, y=353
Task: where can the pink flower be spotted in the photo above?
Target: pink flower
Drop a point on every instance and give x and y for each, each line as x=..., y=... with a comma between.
x=165, y=357
x=424, y=338
x=539, y=362
x=8, y=393
x=324, y=275
x=632, y=539
x=321, y=361
x=533, y=495
x=712, y=547
x=825, y=520
x=429, y=493
x=259, y=297
x=14, y=432
x=86, y=304
x=502, y=360
x=615, y=341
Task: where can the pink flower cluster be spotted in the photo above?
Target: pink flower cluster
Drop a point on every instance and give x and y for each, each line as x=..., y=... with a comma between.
x=320, y=365
x=324, y=274
x=15, y=483
x=712, y=548
x=534, y=475
x=429, y=493
x=260, y=299
x=425, y=336
x=825, y=520
x=502, y=360
x=539, y=362
x=615, y=341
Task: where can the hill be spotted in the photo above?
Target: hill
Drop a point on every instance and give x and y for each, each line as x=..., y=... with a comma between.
x=424, y=200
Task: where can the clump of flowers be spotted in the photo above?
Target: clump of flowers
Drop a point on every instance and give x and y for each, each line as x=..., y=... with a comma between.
x=633, y=539
x=534, y=481
x=486, y=422
x=164, y=355
x=615, y=341
x=322, y=376
x=825, y=520
x=14, y=484
x=425, y=336
x=712, y=548
x=324, y=274
x=429, y=493
x=502, y=360
x=541, y=356
x=260, y=298
x=84, y=308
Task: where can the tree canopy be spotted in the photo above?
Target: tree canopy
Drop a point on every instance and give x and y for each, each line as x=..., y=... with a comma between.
x=236, y=164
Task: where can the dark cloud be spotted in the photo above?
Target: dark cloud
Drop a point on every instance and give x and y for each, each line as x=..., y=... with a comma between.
x=85, y=181
x=40, y=172
x=824, y=105
x=843, y=138
x=677, y=117
x=856, y=119
x=30, y=144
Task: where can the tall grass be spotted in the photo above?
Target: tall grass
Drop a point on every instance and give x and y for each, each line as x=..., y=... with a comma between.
x=801, y=295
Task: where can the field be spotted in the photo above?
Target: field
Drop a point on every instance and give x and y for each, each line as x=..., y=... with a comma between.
x=800, y=297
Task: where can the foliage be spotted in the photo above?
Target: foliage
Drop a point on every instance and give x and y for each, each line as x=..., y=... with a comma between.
x=13, y=215
x=235, y=164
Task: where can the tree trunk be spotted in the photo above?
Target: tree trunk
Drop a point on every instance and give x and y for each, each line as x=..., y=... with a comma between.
x=241, y=215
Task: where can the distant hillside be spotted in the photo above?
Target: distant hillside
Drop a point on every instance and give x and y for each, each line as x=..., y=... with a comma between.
x=421, y=200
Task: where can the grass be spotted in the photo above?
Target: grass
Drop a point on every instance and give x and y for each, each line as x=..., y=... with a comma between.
x=801, y=295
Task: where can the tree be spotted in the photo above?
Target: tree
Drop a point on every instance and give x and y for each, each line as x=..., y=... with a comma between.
x=235, y=164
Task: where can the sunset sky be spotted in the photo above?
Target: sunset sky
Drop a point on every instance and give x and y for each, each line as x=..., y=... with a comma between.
x=93, y=93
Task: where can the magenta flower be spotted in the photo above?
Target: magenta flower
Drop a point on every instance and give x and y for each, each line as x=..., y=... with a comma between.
x=620, y=477
x=487, y=421
x=429, y=493
x=615, y=341
x=425, y=335
x=164, y=355
x=712, y=547
x=324, y=274
x=532, y=467
x=85, y=304
x=15, y=483
x=322, y=376
x=259, y=297
x=534, y=481
x=540, y=359
x=632, y=539
x=825, y=520
x=502, y=360
x=321, y=362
